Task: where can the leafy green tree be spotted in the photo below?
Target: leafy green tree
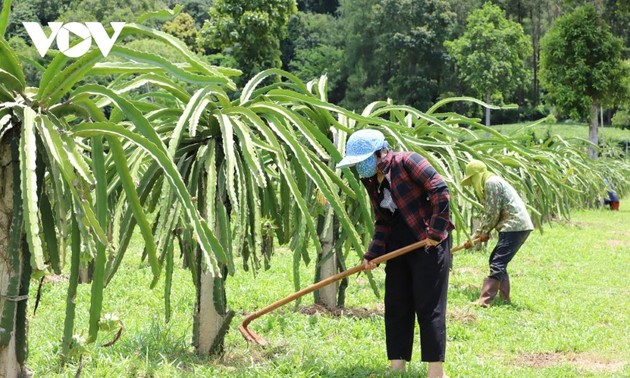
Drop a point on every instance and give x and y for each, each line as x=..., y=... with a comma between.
x=183, y=27
x=109, y=11
x=491, y=54
x=581, y=67
x=317, y=49
x=250, y=31
x=198, y=9
x=394, y=49
x=42, y=11
x=616, y=13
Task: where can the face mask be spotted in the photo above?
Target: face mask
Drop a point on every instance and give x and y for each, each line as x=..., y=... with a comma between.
x=367, y=168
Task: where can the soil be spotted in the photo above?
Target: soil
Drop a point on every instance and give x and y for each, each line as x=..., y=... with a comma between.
x=360, y=313
x=618, y=243
x=583, y=361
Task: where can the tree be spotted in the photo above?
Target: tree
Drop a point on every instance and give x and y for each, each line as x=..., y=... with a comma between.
x=42, y=11
x=198, y=9
x=108, y=11
x=250, y=31
x=581, y=67
x=394, y=49
x=316, y=49
x=491, y=54
x=183, y=27
x=616, y=13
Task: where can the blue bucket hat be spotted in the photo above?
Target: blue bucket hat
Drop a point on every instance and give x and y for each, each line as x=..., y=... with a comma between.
x=361, y=145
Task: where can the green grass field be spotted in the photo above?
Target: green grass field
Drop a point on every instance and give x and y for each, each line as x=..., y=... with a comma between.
x=565, y=130
x=569, y=317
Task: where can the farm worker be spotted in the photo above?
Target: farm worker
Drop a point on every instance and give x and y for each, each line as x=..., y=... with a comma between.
x=504, y=211
x=612, y=200
x=411, y=203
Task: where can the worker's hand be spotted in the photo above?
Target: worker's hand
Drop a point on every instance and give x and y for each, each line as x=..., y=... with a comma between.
x=483, y=238
x=431, y=243
x=368, y=265
x=468, y=244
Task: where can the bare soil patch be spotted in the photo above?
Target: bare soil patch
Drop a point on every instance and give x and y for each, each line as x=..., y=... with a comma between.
x=360, y=313
x=55, y=278
x=583, y=361
x=469, y=270
x=460, y=315
x=618, y=243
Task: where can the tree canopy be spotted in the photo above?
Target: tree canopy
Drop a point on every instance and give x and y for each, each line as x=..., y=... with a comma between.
x=370, y=49
x=491, y=54
x=250, y=31
x=581, y=63
x=394, y=49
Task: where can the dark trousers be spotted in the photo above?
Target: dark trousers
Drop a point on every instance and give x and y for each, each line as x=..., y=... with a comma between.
x=509, y=243
x=416, y=286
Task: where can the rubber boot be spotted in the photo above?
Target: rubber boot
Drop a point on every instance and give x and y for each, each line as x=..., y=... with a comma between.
x=504, y=288
x=488, y=291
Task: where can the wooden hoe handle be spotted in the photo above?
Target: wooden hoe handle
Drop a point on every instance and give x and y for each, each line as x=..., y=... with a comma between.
x=252, y=337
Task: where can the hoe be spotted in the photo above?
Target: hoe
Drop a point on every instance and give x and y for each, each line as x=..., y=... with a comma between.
x=252, y=337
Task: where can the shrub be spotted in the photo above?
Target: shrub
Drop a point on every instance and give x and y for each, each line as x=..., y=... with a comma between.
x=621, y=119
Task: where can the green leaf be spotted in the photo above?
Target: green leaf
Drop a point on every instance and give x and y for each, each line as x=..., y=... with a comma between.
x=251, y=85
x=50, y=233
x=9, y=81
x=230, y=158
x=124, y=222
x=212, y=77
x=4, y=17
x=160, y=15
x=10, y=64
x=63, y=82
x=80, y=191
x=130, y=111
x=194, y=109
x=158, y=80
x=198, y=64
x=98, y=277
x=122, y=168
x=302, y=126
x=248, y=150
x=28, y=180
x=207, y=240
x=449, y=100
x=73, y=282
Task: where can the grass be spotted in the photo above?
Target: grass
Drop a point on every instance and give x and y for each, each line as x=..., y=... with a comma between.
x=569, y=317
x=565, y=130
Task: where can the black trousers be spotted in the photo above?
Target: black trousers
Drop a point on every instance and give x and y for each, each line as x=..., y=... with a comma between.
x=416, y=286
x=508, y=244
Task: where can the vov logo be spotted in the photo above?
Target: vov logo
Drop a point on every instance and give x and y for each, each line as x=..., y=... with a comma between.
x=61, y=32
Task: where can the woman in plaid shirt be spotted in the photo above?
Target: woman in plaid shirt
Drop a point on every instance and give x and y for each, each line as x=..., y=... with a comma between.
x=411, y=203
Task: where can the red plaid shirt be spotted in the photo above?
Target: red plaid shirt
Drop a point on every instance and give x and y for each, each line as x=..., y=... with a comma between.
x=420, y=194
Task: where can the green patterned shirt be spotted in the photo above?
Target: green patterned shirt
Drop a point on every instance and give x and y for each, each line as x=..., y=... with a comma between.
x=504, y=210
